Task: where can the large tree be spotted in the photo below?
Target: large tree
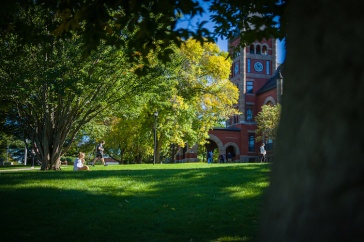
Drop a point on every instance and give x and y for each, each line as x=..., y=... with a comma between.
x=192, y=94
x=317, y=184
x=53, y=87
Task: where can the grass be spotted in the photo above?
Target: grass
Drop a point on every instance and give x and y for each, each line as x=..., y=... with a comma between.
x=169, y=202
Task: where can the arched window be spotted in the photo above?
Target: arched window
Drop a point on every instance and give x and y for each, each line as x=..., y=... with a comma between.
x=257, y=51
x=251, y=48
x=270, y=101
x=265, y=50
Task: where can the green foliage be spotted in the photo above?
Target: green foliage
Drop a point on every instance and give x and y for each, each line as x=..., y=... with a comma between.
x=90, y=135
x=57, y=89
x=69, y=160
x=154, y=23
x=191, y=94
x=250, y=20
x=268, y=122
x=11, y=148
x=174, y=202
x=54, y=88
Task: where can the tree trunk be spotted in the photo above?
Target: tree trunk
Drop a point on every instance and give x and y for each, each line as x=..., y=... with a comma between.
x=317, y=184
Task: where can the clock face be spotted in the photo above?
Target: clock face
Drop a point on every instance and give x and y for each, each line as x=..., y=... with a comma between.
x=258, y=66
x=236, y=68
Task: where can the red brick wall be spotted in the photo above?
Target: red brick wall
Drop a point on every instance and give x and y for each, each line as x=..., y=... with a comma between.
x=244, y=137
x=227, y=136
x=262, y=97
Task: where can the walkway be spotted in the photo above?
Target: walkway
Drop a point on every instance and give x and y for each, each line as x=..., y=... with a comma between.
x=19, y=169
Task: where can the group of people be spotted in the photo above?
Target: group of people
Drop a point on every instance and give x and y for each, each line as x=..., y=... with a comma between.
x=262, y=152
x=222, y=158
x=79, y=164
x=228, y=158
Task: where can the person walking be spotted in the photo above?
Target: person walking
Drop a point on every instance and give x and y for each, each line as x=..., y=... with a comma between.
x=262, y=152
x=222, y=158
x=229, y=156
x=79, y=164
x=209, y=157
x=99, y=153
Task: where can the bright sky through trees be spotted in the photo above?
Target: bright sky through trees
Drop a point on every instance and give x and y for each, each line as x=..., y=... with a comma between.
x=281, y=53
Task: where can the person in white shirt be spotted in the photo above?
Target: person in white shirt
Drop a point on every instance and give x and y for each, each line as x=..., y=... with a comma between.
x=79, y=164
x=262, y=153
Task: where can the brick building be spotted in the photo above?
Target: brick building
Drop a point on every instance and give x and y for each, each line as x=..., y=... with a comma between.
x=256, y=73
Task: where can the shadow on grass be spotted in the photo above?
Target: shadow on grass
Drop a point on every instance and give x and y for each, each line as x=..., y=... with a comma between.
x=200, y=204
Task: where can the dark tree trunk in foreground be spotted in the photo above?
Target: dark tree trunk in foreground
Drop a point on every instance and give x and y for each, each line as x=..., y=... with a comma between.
x=317, y=185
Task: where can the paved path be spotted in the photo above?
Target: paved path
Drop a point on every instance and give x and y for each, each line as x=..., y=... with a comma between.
x=20, y=169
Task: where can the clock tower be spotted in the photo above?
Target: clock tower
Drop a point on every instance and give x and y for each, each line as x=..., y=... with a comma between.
x=252, y=67
x=254, y=72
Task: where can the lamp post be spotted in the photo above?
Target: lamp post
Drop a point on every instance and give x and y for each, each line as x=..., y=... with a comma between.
x=155, y=137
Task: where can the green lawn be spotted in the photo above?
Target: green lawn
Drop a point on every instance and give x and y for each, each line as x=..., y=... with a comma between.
x=169, y=202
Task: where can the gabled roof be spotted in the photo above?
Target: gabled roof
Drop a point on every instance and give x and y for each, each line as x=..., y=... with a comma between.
x=272, y=82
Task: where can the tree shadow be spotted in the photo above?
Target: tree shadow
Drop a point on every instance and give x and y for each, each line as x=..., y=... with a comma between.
x=134, y=205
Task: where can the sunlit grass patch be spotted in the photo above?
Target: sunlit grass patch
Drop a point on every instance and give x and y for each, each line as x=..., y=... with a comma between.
x=168, y=202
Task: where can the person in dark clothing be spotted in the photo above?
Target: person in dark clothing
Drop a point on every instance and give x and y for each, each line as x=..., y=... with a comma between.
x=99, y=153
x=222, y=158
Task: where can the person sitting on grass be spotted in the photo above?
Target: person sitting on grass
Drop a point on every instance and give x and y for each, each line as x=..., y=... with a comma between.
x=79, y=164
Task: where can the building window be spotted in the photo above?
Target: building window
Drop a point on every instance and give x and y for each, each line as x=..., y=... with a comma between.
x=251, y=49
x=236, y=68
x=248, y=65
x=270, y=103
x=249, y=87
x=235, y=119
x=269, y=145
x=249, y=113
x=251, y=143
x=267, y=67
x=258, y=50
x=228, y=123
x=264, y=50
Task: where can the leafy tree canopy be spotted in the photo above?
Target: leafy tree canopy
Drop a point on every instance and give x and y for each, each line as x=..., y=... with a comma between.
x=192, y=94
x=154, y=24
x=268, y=122
x=53, y=87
